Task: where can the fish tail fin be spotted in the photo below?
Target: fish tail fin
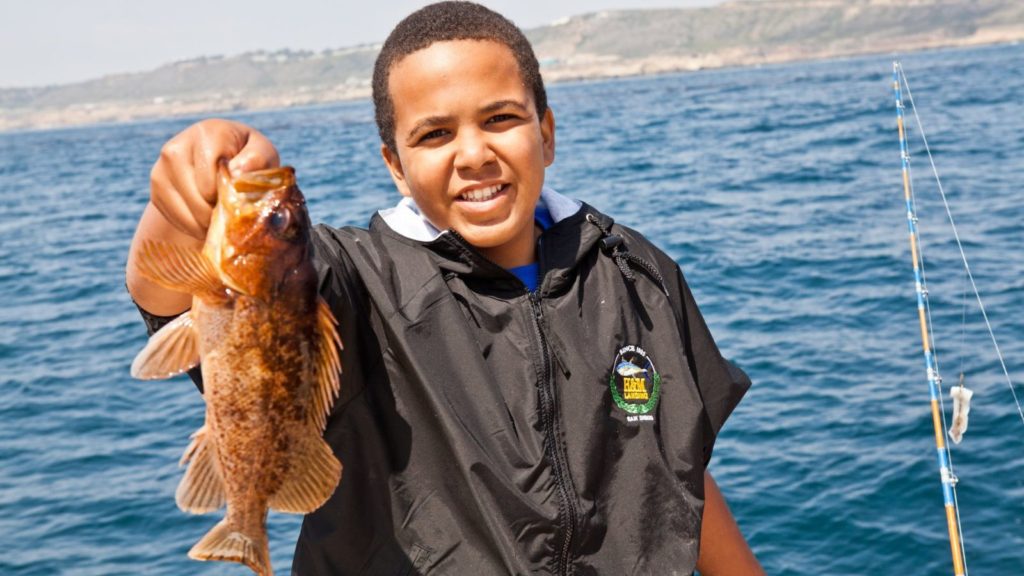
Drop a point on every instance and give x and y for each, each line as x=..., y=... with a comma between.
x=226, y=542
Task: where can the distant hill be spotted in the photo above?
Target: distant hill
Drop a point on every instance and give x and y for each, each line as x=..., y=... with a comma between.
x=766, y=31
x=611, y=43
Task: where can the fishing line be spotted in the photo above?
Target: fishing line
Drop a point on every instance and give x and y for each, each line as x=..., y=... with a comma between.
x=963, y=328
x=963, y=255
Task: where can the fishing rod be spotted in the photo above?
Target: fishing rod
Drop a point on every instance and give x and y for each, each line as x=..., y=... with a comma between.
x=949, y=480
x=960, y=394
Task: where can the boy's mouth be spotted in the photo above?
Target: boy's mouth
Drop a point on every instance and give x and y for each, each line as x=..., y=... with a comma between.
x=483, y=194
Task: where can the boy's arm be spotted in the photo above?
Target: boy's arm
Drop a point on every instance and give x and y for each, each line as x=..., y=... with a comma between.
x=723, y=550
x=149, y=296
x=183, y=192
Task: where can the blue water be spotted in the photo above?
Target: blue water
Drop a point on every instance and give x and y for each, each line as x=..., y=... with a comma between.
x=778, y=190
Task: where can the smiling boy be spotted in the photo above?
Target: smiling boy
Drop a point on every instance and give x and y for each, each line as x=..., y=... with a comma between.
x=529, y=387
x=469, y=145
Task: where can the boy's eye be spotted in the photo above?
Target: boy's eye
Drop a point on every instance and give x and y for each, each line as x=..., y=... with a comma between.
x=500, y=118
x=432, y=134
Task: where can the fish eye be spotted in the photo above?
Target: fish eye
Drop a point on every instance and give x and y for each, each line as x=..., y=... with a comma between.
x=280, y=223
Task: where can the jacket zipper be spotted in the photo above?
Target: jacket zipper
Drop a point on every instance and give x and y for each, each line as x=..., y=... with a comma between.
x=559, y=459
x=548, y=410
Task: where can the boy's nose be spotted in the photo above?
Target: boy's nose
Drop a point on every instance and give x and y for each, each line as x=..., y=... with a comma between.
x=472, y=150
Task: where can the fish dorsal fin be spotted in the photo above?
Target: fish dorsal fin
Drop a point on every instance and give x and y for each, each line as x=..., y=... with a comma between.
x=182, y=269
x=201, y=490
x=313, y=475
x=328, y=365
x=171, y=351
x=315, y=471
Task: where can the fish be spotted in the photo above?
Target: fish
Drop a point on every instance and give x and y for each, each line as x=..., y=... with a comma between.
x=627, y=368
x=269, y=350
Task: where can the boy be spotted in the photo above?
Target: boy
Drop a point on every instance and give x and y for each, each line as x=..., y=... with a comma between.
x=528, y=387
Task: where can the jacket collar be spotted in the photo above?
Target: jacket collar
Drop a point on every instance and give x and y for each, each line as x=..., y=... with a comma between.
x=560, y=249
x=406, y=219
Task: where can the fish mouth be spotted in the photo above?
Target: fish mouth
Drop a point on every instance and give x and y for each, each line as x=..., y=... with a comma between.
x=251, y=187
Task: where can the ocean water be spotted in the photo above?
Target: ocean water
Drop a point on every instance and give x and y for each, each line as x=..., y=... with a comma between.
x=777, y=189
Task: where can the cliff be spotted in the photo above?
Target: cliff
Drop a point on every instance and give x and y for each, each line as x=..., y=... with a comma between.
x=603, y=44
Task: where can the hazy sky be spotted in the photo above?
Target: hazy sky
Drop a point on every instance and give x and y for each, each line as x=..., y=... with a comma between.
x=60, y=41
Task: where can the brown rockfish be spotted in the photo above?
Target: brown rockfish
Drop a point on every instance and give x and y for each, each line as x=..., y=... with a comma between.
x=269, y=351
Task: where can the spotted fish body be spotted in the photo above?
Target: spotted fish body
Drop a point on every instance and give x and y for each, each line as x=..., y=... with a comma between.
x=269, y=352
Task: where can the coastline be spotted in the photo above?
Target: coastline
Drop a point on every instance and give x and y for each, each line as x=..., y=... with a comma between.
x=577, y=67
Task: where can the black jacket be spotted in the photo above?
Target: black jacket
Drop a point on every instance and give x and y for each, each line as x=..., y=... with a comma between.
x=485, y=429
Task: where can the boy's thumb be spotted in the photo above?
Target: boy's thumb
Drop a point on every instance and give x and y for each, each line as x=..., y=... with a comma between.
x=257, y=154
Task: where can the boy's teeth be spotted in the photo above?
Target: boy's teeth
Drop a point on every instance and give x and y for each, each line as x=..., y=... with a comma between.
x=482, y=194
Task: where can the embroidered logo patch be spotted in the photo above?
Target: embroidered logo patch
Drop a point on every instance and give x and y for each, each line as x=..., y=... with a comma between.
x=635, y=384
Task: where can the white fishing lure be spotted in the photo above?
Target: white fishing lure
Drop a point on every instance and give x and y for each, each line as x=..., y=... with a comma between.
x=961, y=408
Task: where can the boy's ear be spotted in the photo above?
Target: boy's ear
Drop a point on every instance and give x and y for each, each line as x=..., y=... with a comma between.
x=394, y=164
x=547, y=132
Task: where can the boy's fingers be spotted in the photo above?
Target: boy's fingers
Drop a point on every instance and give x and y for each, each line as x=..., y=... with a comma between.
x=184, y=181
x=175, y=210
x=257, y=154
x=204, y=173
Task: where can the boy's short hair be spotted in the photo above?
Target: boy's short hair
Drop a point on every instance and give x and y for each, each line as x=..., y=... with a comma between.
x=441, y=22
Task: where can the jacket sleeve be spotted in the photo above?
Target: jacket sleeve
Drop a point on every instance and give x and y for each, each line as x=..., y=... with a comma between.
x=340, y=287
x=720, y=383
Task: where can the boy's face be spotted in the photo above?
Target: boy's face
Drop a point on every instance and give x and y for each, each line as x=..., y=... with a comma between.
x=470, y=149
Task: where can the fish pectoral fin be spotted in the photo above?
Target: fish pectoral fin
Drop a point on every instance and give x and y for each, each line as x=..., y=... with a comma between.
x=328, y=365
x=201, y=490
x=171, y=351
x=312, y=478
x=182, y=269
x=226, y=542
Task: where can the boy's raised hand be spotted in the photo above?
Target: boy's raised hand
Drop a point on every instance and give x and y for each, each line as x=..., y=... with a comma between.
x=183, y=182
x=183, y=192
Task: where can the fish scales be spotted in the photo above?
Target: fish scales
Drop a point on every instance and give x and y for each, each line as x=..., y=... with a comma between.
x=269, y=354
